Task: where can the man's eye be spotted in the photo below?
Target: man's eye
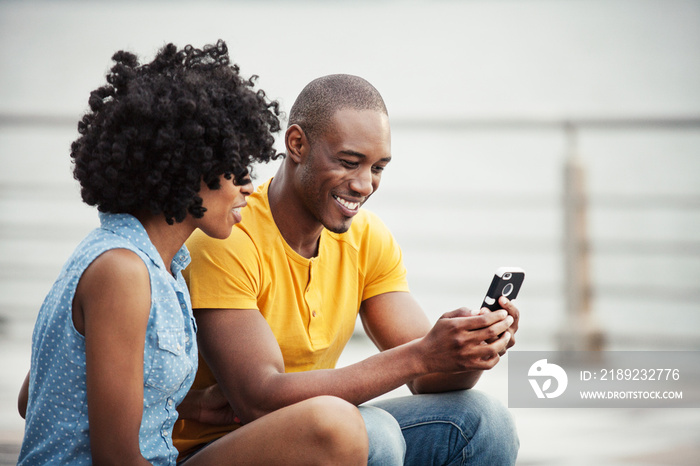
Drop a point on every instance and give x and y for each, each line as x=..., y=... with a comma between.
x=349, y=164
x=378, y=169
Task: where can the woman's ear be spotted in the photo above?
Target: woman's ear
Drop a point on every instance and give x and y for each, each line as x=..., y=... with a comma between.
x=296, y=143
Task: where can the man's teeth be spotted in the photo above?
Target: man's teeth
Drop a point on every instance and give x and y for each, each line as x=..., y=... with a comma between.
x=347, y=204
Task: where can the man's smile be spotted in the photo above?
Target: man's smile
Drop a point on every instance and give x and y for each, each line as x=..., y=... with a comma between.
x=352, y=206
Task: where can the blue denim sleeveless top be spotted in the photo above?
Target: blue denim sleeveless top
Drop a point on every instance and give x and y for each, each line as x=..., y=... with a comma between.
x=56, y=430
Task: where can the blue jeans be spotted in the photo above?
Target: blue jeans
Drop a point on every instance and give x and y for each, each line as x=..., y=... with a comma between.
x=454, y=428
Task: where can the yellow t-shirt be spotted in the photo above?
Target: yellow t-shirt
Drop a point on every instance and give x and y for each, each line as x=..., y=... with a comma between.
x=311, y=305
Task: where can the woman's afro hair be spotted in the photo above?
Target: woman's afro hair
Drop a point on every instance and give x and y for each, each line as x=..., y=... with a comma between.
x=155, y=131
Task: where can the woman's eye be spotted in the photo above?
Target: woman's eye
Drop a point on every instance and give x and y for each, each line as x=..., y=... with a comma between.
x=243, y=181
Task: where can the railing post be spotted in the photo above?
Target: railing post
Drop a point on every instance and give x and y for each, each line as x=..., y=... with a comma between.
x=579, y=332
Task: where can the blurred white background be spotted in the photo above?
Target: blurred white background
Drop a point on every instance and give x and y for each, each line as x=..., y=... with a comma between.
x=479, y=93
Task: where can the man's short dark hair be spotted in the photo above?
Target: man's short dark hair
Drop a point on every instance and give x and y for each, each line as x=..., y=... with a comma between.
x=322, y=97
x=155, y=131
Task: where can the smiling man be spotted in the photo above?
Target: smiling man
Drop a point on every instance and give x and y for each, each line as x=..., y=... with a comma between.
x=277, y=302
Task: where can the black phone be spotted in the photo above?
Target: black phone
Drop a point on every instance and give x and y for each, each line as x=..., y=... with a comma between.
x=506, y=282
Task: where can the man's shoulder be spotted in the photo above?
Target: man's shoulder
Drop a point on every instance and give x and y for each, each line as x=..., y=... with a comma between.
x=257, y=214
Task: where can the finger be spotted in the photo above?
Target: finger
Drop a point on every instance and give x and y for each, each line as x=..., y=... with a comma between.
x=471, y=323
x=501, y=345
x=511, y=342
x=461, y=312
x=487, y=356
x=495, y=330
x=489, y=319
x=508, y=336
x=513, y=311
x=509, y=306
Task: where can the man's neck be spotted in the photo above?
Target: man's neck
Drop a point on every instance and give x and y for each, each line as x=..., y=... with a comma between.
x=300, y=230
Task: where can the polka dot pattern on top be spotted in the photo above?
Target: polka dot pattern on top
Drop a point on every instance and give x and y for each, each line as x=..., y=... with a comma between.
x=56, y=430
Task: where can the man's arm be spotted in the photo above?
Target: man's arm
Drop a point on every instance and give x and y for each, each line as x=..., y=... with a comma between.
x=392, y=319
x=208, y=406
x=243, y=354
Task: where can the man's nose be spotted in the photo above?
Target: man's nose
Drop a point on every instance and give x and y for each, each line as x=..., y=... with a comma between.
x=362, y=183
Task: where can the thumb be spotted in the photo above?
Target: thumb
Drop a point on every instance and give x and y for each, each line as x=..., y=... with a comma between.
x=461, y=312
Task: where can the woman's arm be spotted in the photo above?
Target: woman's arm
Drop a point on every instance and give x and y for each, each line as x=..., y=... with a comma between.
x=23, y=397
x=111, y=308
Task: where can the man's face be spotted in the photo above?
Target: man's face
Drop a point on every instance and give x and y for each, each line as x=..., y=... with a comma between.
x=344, y=166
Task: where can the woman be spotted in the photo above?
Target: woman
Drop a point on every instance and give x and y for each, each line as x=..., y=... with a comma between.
x=165, y=148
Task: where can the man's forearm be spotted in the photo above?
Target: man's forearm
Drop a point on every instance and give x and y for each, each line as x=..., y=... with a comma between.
x=437, y=383
x=245, y=359
x=356, y=383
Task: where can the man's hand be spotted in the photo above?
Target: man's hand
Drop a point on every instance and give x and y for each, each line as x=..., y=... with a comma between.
x=452, y=353
x=464, y=340
x=513, y=312
x=208, y=406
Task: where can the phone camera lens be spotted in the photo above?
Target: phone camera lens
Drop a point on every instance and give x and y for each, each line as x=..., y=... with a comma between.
x=507, y=276
x=508, y=289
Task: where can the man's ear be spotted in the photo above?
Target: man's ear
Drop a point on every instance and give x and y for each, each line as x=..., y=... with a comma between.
x=296, y=143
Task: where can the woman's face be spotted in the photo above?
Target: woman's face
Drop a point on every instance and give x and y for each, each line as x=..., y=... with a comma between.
x=223, y=206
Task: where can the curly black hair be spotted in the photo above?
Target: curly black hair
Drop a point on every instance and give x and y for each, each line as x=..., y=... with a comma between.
x=155, y=131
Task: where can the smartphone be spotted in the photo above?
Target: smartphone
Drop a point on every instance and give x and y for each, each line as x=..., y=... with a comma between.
x=506, y=282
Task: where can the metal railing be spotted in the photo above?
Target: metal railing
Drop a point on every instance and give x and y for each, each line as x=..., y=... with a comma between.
x=579, y=330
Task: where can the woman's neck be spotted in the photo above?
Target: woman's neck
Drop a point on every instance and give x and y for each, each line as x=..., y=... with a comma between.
x=167, y=239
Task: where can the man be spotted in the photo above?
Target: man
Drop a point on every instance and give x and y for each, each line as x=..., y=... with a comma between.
x=277, y=302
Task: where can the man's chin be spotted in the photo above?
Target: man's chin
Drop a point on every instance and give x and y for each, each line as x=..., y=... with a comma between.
x=339, y=227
